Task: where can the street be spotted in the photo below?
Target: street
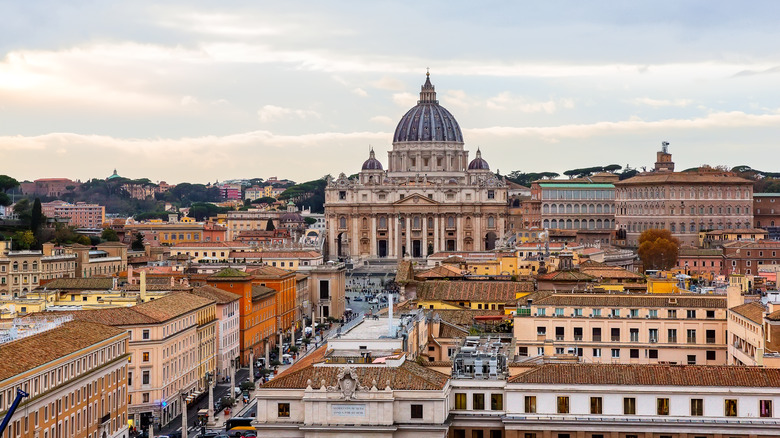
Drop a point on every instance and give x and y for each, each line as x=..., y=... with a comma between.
x=220, y=390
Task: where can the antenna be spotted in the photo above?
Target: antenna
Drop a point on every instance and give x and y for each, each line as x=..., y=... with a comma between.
x=665, y=147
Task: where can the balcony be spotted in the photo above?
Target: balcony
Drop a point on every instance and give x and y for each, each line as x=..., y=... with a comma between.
x=596, y=338
x=710, y=340
x=615, y=338
x=577, y=337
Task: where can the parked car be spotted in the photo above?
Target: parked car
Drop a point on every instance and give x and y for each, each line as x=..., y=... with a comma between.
x=357, y=299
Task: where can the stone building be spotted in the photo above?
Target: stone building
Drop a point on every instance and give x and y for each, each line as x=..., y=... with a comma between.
x=682, y=202
x=431, y=198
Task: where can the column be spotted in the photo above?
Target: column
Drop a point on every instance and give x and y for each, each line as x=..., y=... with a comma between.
x=408, y=234
x=184, y=425
x=354, y=239
x=424, y=245
x=459, y=232
x=391, y=235
x=374, y=251
x=478, y=233
x=436, y=236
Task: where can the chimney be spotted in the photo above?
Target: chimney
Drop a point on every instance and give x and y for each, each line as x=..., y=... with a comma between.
x=733, y=297
x=390, y=315
x=143, y=286
x=130, y=274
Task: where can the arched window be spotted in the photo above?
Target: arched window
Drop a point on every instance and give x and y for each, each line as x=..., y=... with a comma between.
x=491, y=222
x=468, y=221
x=554, y=209
x=24, y=266
x=430, y=223
x=16, y=266
x=416, y=222
x=568, y=208
x=599, y=224
x=568, y=224
x=546, y=223
x=451, y=221
x=554, y=223
x=365, y=223
x=546, y=209
x=35, y=266
x=382, y=222
x=672, y=227
x=342, y=222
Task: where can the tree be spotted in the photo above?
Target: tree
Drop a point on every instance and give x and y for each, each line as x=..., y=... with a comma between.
x=23, y=210
x=24, y=239
x=264, y=200
x=310, y=220
x=36, y=216
x=658, y=249
x=7, y=183
x=138, y=242
x=109, y=235
x=270, y=225
x=4, y=199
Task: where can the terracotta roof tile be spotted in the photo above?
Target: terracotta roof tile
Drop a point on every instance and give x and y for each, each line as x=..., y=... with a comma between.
x=275, y=254
x=465, y=317
x=441, y=271
x=753, y=311
x=651, y=375
x=565, y=276
x=269, y=271
x=490, y=291
x=610, y=272
x=230, y=273
x=217, y=295
x=407, y=376
x=39, y=349
x=261, y=292
x=405, y=272
x=684, y=177
x=151, y=312
x=595, y=299
x=95, y=283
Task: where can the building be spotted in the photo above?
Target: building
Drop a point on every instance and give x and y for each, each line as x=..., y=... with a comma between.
x=23, y=271
x=716, y=238
x=254, y=192
x=576, y=204
x=326, y=286
x=624, y=327
x=282, y=281
x=230, y=192
x=79, y=215
x=75, y=373
x=766, y=210
x=287, y=259
x=470, y=294
x=168, y=233
x=619, y=400
x=228, y=346
x=50, y=187
x=211, y=252
x=106, y=258
x=700, y=262
x=264, y=238
x=430, y=199
x=745, y=257
x=257, y=311
x=682, y=202
x=172, y=347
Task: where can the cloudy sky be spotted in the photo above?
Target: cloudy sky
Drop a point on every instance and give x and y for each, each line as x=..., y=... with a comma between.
x=204, y=91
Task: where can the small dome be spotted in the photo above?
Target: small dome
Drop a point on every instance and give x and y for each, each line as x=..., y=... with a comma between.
x=478, y=163
x=372, y=163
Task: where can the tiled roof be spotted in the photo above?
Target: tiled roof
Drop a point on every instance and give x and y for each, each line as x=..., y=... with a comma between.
x=441, y=271
x=774, y=316
x=260, y=292
x=684, y=177
x=95, y=283
x=210, y=245
x=151, y=312
x=464, y=317
x=438, y=363
x=315, y=356
x=490, y=291
x=753, y=311
x=689, y=251
x=611, y=272
x=632, y=300
x=452, y=331
x=651, y=375
x=275, y=254
x=405, y=272
x=269, y=271
x=215, y=294
x=39, y=349
x=114, y=316
x=591, y=264
x=407, y=376
x=564, y=276
x=230, y=273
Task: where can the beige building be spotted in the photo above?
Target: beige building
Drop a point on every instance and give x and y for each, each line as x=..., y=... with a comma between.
x=754, y=334
x=209, y=251
x=172, y=347
x=23, y=271
x=431, y=198
x=75, y=373
x=682, y=202
x=326, y=285
x=228, y=333
x=624, y=327
x=106, y=258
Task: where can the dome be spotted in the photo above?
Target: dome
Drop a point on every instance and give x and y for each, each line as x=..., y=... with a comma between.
x=428, y=121
x=478, y=163
x=372, y=163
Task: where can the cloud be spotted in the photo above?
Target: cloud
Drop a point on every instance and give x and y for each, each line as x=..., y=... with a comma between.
x=658, y=103
x=269, y=113
x=405, y=99
x=388, y=83
x=360, y=92
x=385, y=120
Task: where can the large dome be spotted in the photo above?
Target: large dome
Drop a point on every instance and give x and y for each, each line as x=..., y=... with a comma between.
x=428, y=121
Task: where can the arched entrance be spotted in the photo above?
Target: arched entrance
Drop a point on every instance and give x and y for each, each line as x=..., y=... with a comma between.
x=340, y=245
x=490, y=241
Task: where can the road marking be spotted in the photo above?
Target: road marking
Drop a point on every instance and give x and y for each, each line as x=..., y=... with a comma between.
x=179, y=429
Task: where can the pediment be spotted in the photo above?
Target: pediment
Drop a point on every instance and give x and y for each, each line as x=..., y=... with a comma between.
x=415, y=199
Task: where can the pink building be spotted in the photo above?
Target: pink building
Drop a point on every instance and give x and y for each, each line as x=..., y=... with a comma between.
x=80, y=214
x=697, y=261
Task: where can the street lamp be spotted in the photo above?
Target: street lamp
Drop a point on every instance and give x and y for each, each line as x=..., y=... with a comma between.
x=210, y=382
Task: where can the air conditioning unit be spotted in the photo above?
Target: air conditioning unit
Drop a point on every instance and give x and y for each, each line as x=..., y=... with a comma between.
x=628, y=316
x=590, y=316
x=572, y=315
x=535, y=314
x=610, y=315
x=653, y=341
x=647, y=316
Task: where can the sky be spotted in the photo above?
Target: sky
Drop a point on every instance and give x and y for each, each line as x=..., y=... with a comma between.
x=208, y=91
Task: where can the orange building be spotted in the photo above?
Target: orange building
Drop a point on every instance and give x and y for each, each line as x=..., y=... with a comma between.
x=282, y=281
x=257, y=311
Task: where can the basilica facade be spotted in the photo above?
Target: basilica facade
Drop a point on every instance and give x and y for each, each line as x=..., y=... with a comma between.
x=430, y=198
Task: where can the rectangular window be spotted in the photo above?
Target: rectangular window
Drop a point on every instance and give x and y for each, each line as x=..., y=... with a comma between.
x=283, y=410
x=541, y=331
x=597, y=352
x=596, y=405
x=478, y=402
x=652, y=354
x=596, y=334
x=559, y=311
x=765, y=408
x=417, y=411
x=633, y=353
x=146, y=356
x=672, y=314
x=691, y=359
x=145, y=378
x=730, y=407
x=634, y=334
x=629, y=406
x=653, y=313
x=690, y=314
x=662, y=406
x=530, y=404
x=671, y=336
x=324, y=289
x=496, y=402
x=697, y=407
x=563, y=404
x=615, y=334
x=691, y=336
x=710, y=313
x=616, y=353
x=559, y=333
x=577, y=333
x=460, y=400
x=145, y=334
x=710, y=335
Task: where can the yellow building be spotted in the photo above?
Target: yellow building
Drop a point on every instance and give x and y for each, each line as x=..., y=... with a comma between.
x=23, y=271
x=478, y=295
x=75, y=373
x=167, y=233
